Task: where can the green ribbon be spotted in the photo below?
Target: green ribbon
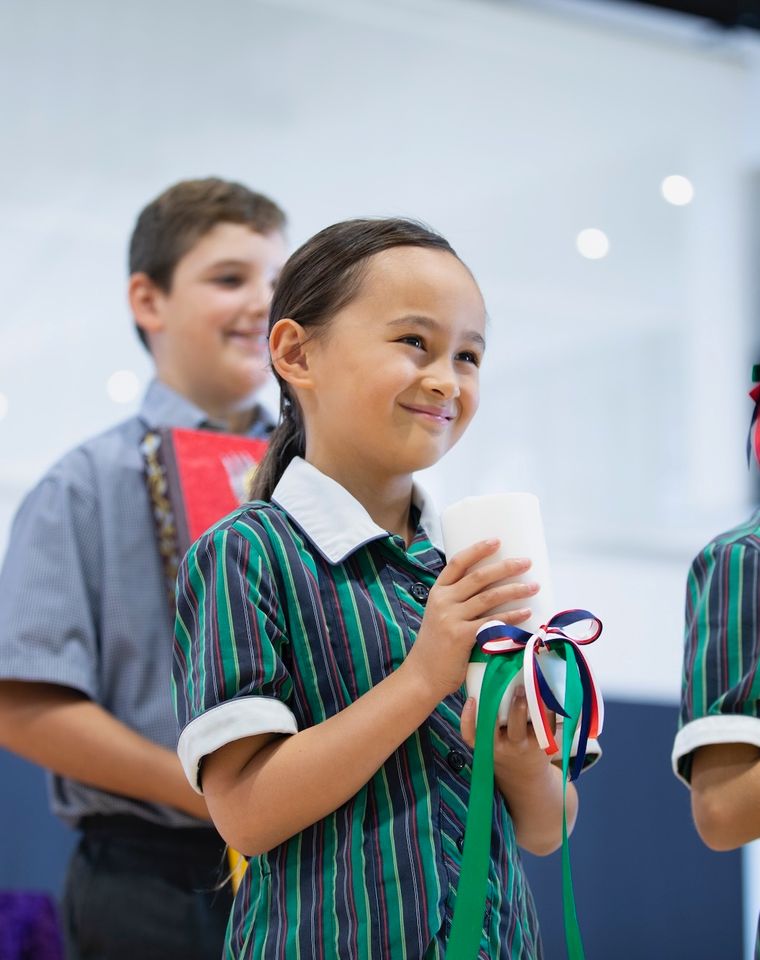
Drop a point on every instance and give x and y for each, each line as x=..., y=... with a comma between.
x=467, y=925
x=572, y=705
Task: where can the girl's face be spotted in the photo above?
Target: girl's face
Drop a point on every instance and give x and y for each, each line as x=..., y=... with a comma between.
x=395, y=373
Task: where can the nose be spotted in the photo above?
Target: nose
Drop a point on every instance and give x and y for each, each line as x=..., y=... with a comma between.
x=441, y=379
x=260, y=297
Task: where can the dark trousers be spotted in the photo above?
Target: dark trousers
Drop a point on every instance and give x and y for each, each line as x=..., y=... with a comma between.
x=138, y=891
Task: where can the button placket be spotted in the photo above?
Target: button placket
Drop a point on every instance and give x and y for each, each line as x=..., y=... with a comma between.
x=420, y=591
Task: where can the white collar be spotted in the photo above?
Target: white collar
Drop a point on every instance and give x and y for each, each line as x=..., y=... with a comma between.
x=335, y=522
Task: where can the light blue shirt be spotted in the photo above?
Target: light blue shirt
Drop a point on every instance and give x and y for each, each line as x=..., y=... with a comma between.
x=83, y=596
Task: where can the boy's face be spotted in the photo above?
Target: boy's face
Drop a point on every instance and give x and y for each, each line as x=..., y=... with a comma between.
x=208, y=334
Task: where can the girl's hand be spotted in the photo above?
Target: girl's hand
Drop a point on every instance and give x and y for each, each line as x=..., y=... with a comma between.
x=517, y=755
x=457, y=606
x=527, y=779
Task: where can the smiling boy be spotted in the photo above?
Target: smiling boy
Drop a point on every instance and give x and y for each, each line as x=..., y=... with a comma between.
x=85, y=628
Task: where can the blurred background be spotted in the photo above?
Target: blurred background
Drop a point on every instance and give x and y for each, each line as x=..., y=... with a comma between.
x=597, y=164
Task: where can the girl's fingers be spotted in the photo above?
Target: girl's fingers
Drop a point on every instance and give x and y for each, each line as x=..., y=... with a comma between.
x=458, y=569
x=467, y=722
x=498, y=596
x=460, y=563
x=514, y=618
x=517, y=720
x=491, y=576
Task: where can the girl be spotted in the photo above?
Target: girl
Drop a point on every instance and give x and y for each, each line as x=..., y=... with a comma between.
x=322, y=643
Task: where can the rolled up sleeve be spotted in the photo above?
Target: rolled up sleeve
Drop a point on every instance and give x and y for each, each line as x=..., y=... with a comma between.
x=721, y=681
x=230, y=679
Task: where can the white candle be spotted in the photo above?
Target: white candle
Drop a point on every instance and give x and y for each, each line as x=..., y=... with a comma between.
x=515, y=519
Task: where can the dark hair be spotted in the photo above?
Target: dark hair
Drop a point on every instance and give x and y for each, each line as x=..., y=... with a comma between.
x=318, y=280
x=172, y=223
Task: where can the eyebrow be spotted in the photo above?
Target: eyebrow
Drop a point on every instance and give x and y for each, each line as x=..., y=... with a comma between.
x=229, y=262
x=427, y=323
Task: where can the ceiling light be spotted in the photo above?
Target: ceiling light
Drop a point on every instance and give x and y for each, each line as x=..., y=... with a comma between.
x=592, y=243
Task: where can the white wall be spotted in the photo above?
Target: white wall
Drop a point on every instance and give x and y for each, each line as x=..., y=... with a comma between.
x=613, y=388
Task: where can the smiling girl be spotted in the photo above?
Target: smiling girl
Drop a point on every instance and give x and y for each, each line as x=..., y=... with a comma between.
x=322, y=640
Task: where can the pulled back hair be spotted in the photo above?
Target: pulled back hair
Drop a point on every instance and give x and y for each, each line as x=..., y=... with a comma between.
x=169, y=226
x=320, y=279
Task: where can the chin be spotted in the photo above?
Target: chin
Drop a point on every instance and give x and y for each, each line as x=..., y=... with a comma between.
x=412, y=464
x=243, y=388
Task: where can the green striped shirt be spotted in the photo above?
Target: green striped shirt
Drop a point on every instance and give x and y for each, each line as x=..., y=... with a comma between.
x=287, y=612
x=720, y=700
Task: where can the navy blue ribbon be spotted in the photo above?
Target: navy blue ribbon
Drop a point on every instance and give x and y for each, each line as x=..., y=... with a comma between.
x=553, y=635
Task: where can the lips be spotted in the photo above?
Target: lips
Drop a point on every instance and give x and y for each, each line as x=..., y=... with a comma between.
x=436, y=414
x=254, y=341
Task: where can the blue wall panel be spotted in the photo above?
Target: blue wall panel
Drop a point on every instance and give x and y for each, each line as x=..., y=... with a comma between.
x=646, y=887
x=34, y=845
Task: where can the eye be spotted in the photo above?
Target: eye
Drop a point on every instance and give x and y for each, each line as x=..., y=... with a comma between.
x=468, y=356
x=413, y=340
x=228, y=280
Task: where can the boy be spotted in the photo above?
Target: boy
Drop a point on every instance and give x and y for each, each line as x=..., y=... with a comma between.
x=85, y=627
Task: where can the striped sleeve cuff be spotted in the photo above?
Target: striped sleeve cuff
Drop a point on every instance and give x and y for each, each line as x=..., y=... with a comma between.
x=721, y=728
x=233, y=720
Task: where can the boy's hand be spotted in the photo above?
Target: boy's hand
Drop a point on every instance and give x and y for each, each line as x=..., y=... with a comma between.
x=457, y=606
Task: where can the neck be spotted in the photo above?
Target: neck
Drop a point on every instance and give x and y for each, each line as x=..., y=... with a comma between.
x=234, y=417
x=240, y=421
x=387, y=500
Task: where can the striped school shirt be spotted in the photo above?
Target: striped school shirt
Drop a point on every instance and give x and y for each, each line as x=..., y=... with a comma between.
x=287, y=612
x=720, y=701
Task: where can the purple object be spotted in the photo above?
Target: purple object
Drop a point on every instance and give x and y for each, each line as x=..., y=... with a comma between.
x=29, y=927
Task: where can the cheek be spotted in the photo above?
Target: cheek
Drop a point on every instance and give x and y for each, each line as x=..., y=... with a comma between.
x=470, y=398
x=219, y=306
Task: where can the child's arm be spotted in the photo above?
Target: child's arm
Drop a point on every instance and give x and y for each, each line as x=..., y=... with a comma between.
x=62, y=730
x=263, y=790
x=528, y=780
x=725, y=789
x=719, y=704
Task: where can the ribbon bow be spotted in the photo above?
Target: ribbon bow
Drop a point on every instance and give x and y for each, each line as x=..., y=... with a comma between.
x=499, y=638
x=507, y=651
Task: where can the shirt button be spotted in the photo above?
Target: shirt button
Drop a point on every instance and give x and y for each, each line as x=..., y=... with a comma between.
x=460, y=843
x=456, y=760
x=419, y=591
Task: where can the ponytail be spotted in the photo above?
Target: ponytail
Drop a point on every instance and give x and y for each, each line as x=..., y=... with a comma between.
x=287, y=441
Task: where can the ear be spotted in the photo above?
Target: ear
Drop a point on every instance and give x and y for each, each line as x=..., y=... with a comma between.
x=288, y=346
x=145, y=300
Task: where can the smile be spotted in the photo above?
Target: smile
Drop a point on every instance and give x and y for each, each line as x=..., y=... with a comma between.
x=432, y=414
x=251, y=340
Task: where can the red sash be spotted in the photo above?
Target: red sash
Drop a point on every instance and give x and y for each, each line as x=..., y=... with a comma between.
x=194, y=477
